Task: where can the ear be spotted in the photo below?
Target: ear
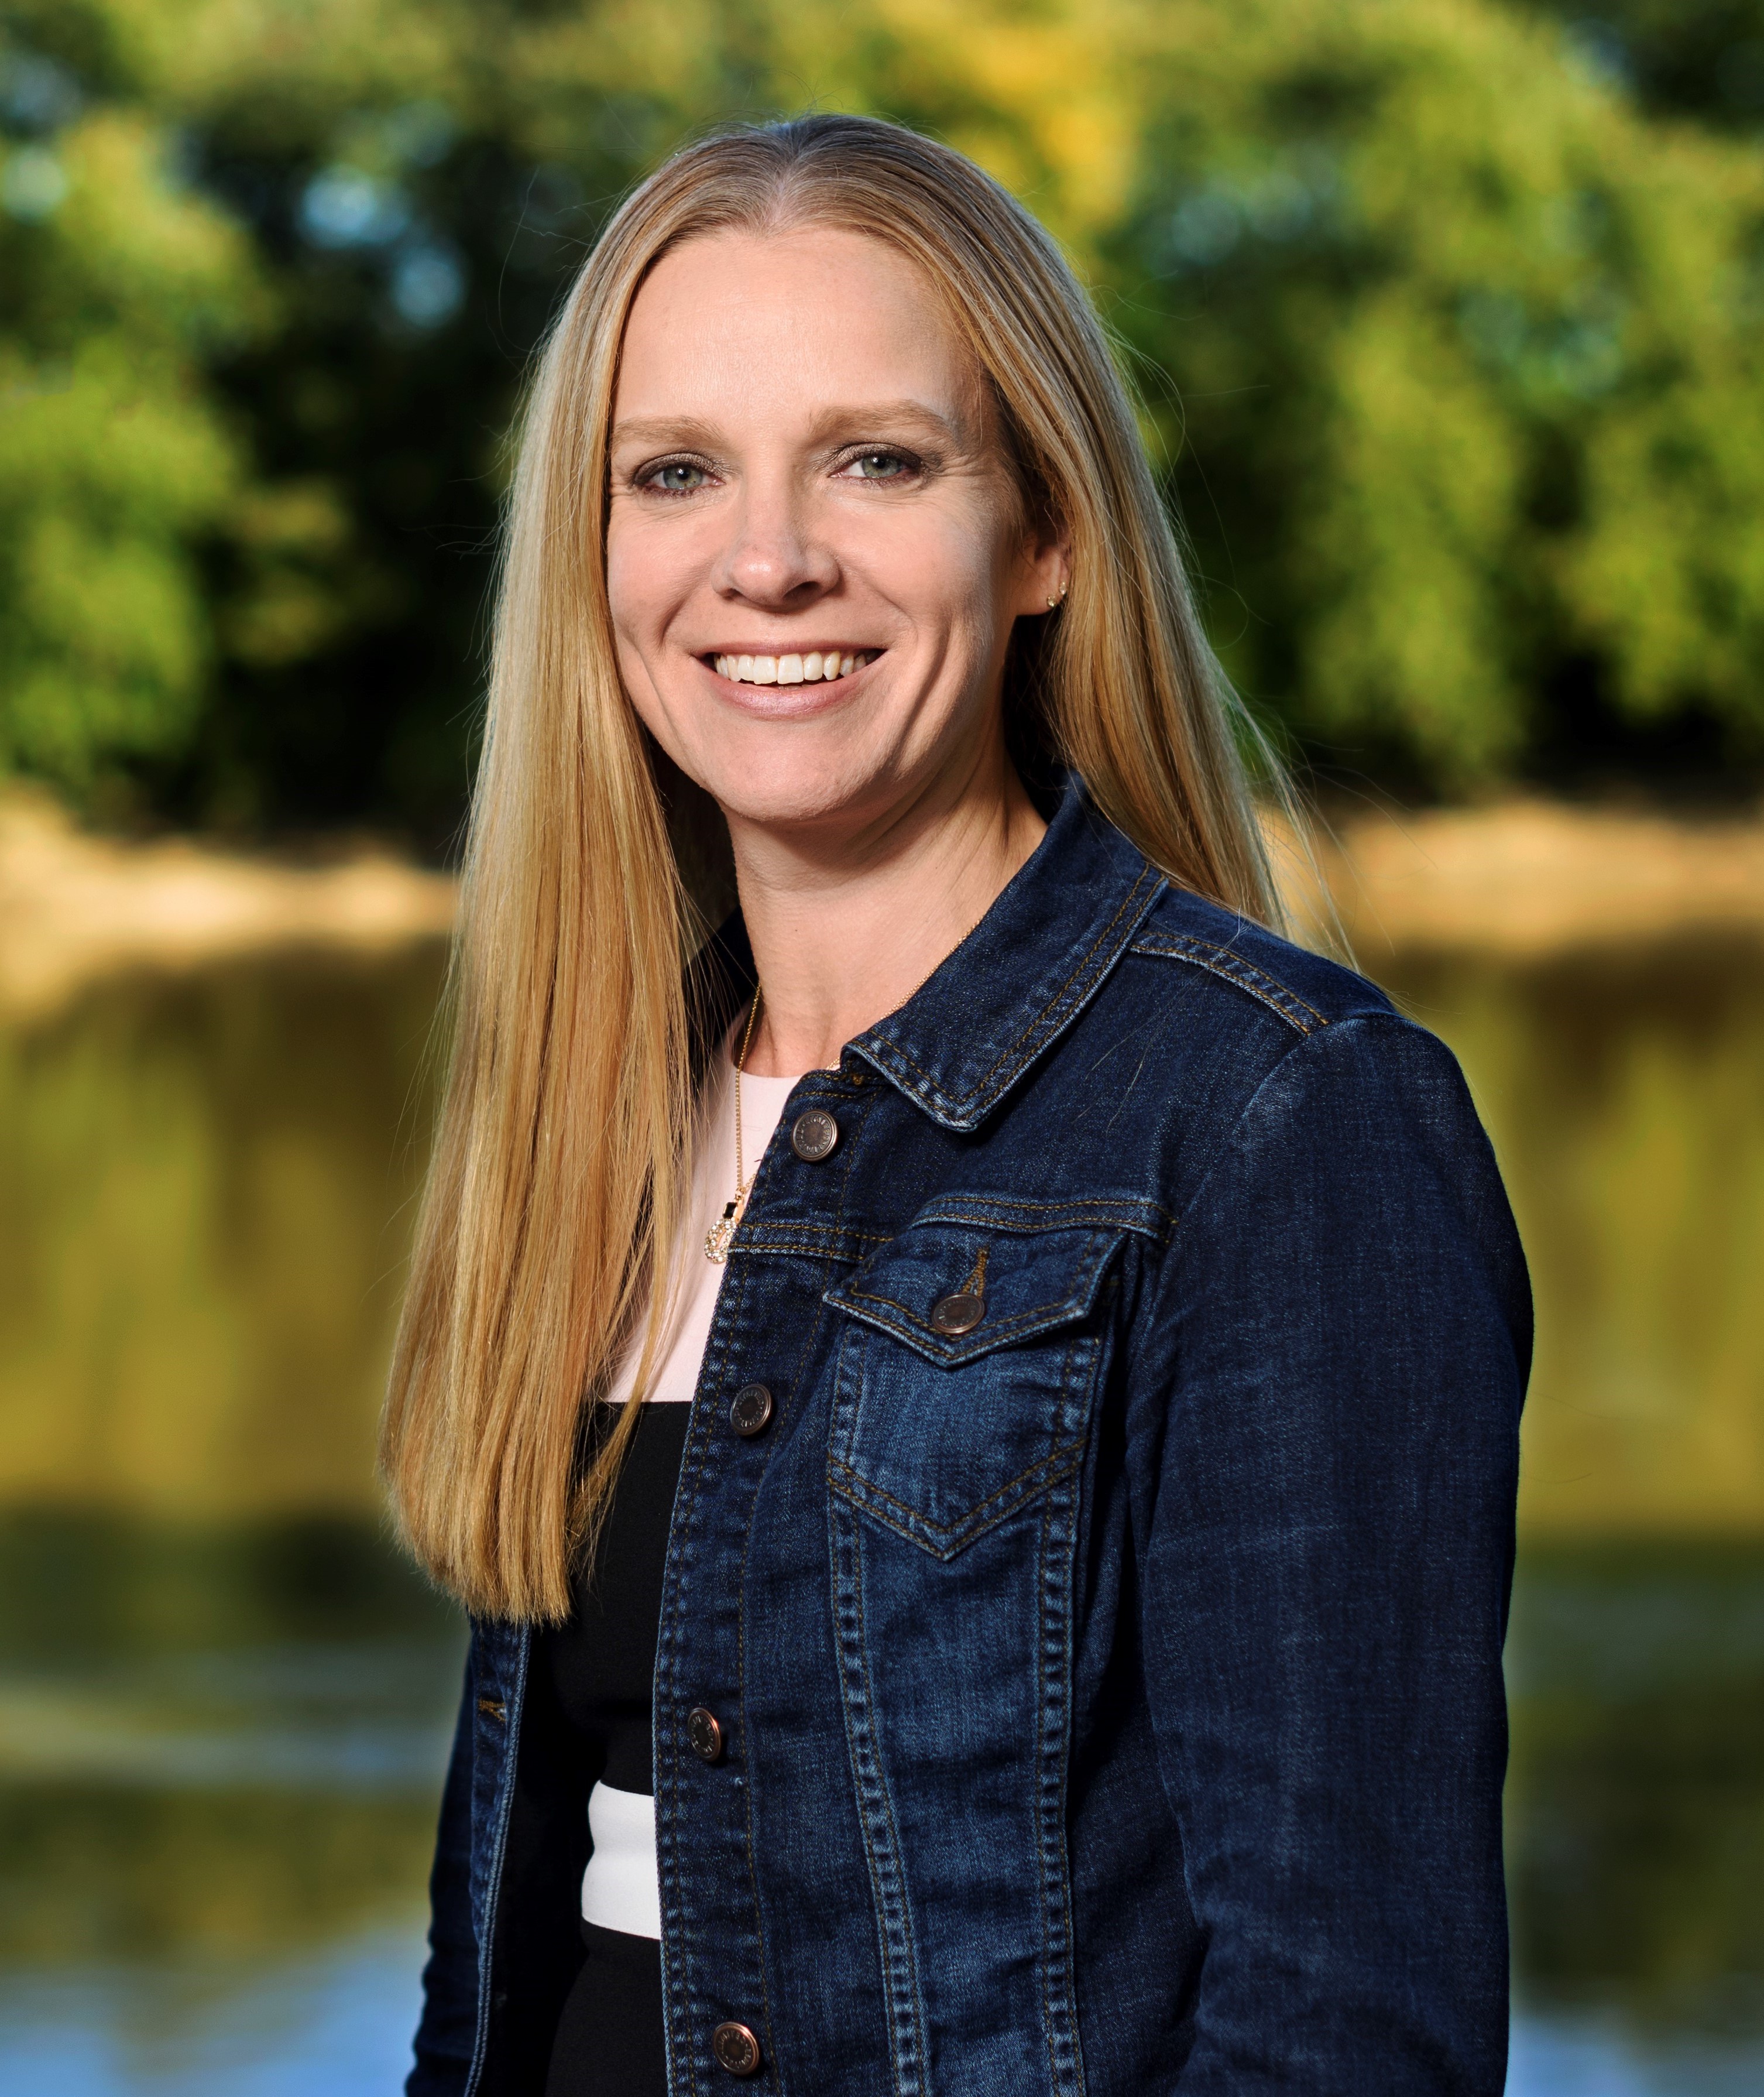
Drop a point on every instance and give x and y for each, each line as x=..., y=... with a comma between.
x=1045, y=573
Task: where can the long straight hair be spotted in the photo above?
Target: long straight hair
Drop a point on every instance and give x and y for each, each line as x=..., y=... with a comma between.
x=563, y=1145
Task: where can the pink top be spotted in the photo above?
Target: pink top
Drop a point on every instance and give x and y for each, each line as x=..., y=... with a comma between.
x=695, y=1278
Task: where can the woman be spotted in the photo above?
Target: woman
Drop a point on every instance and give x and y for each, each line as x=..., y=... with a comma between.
x=977, y=1423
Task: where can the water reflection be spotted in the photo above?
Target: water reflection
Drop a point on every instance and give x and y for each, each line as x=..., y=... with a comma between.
x=203, y=1184
x=223, y=1701
x=1624, y=1093
x=218, y=1753
x=213, y=1743
x=1636, y=1795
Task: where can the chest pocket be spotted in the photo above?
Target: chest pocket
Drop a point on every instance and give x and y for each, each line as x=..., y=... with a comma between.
x=947, y=1423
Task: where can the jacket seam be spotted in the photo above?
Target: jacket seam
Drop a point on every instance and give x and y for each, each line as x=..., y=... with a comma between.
x=887, y=1877
x=1054, y=1685
x=1084, y=1215
x=747, y=1750
x=946, y=1538
x=1231, y=967
x=680, y=2050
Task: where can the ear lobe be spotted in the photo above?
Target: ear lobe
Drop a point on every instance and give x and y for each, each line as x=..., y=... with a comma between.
x=1054, y=566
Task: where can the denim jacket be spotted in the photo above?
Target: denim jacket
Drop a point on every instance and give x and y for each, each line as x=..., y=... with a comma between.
x=1111, y=1683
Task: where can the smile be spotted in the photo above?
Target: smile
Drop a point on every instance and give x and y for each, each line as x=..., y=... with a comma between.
x=814, y=668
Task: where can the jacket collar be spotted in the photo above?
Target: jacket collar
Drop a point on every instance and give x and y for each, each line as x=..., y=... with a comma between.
x=1024, y=973
x=1014, y=985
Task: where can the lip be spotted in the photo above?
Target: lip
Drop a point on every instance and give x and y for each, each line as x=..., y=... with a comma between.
x=781, y=702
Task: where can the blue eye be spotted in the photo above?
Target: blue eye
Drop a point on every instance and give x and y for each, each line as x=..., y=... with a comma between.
x=677, y=477
x=881, y=465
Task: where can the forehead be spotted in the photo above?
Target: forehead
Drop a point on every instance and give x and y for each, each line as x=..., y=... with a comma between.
x=744, y=327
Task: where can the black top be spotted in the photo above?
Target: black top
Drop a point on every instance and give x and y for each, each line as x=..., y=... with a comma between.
x=603, y=1661
x=608, y=2040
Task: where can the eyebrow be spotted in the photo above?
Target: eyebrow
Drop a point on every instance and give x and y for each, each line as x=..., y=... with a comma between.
x=663, y=430
x=689, y=430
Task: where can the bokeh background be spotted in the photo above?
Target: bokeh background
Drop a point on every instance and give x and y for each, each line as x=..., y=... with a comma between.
x=1445, y=319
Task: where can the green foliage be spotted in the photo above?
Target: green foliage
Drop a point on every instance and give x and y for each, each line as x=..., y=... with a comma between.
x=1466, y=353
x=115, y=285
x=1698, y=58
x=1449, y=346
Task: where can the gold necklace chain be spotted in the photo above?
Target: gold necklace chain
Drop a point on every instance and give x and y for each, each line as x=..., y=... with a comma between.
x=717, y=1238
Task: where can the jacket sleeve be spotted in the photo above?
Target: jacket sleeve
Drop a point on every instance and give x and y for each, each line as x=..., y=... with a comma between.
x=1338, y=1349
x=447, y=2030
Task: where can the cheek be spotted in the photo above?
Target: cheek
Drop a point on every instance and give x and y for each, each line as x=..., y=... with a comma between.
x=947, y=572
x=632, y=580
x=652, y=565
x=637, y=597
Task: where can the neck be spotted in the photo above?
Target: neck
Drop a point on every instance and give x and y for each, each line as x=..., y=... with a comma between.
x=844, y=933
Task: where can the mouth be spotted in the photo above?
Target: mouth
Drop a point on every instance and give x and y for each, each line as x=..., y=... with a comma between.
x=817, y=667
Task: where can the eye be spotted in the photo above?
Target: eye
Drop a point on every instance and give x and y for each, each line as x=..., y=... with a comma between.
x=675, y=477
x=879, y=464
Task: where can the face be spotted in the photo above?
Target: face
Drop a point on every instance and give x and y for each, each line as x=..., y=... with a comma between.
x=816, y=550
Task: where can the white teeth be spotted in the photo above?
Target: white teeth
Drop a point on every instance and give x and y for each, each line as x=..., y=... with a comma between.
x=815, y=667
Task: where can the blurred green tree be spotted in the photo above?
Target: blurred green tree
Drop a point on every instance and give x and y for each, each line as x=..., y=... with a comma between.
x=1448, y=346
x=1703, y=59
x=1467, y=400
x=117, y=284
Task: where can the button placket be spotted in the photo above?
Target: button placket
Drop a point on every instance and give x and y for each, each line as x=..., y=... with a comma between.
x=693, y=1643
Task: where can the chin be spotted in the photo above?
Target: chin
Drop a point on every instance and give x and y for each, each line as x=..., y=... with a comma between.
x=786, y=793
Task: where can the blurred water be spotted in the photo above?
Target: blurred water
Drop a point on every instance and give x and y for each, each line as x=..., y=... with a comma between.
x=1572, y=2057
x=224, y=1702
x=338, y=2022
x=1624, y=1090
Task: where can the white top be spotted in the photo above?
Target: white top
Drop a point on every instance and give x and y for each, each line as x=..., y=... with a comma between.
x=621, y=1890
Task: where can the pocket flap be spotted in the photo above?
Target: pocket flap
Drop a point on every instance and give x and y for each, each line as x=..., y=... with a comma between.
x=1026, y=1283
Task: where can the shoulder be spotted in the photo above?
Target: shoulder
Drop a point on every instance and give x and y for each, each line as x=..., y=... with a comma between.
x=1223, y=1034
x=1232, y=1002
x=1290, y=1095
x=1304, y=990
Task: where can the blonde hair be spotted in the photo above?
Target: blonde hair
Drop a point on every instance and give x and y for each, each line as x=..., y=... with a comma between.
x=560, y=1158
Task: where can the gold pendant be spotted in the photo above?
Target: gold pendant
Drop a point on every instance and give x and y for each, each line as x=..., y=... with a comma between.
x=717, y=1238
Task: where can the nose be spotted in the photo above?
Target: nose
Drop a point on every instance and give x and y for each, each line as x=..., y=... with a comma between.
x=774, y=558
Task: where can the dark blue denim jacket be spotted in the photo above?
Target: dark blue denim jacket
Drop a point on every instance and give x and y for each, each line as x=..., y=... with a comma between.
x=1112, y=1690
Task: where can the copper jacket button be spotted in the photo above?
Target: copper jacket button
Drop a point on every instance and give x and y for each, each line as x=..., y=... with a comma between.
x=814, y=1136
x=736, y=2049
x=952, y=1315
x=704, y=1736
x=752, y=1411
